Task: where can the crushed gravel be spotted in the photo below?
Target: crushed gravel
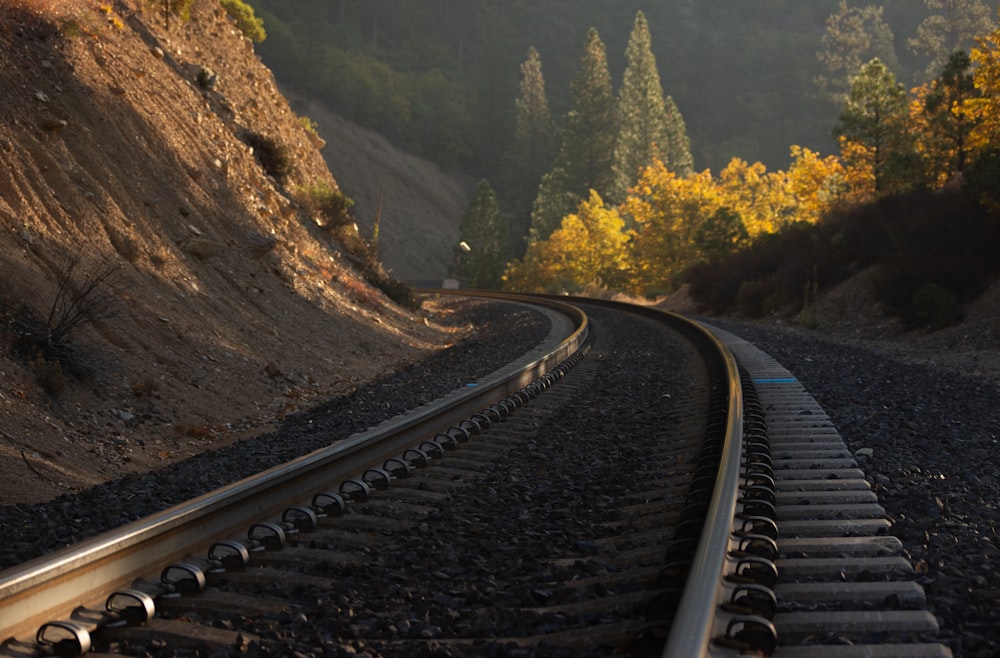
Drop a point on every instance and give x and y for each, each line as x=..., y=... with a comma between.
x=935, y=436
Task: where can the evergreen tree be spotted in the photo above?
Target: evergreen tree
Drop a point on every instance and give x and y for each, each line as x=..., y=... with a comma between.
x=854, y=35
x=586, y=155
x=487, y=238
x=679, y=149
x=534, y=145
x=954, y=26
x=949, y=121
x=875, y=117
x=644, y=128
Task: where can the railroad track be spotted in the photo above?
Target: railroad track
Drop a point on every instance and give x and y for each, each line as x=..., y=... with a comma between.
x=613, y=531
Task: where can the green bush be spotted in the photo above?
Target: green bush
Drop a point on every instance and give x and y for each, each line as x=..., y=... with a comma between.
x=273, y=157
x=247, y=22
x=180, y=8
x=333, y=206
x=398, y=291
x=309, y=125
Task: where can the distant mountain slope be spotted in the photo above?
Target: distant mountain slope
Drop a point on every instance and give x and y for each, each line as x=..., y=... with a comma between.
x=421, y=206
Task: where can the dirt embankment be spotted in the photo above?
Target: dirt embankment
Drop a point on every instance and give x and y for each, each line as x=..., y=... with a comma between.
x=125, y=144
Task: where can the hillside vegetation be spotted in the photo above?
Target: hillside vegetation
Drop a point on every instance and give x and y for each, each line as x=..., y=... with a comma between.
x=174, y=269
x=910, y=195
x=441, y=76
x=552, y=100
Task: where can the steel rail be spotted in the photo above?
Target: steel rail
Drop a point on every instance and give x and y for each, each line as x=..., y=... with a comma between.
x=697, y=617
x=700, y=616
x=52, y=587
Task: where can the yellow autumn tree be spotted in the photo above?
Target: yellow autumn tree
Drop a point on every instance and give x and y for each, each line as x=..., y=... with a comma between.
x=535, y=272
x=758, y=196
x=859, y=175
x=668, y=212
x=920, y=127
x=985, y=109
x=817, y=184
x=589, y=248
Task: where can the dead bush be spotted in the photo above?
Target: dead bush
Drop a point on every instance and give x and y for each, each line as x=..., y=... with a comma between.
x=46, y=345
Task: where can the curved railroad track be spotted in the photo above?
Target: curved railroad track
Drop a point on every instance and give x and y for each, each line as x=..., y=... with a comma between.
x=629, y=487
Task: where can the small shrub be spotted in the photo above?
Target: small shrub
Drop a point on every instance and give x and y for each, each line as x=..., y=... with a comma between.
x=207, y=79
x=399, y=292
x=361, y=293
x=333, y=206
x=45, y=344
x=759, y=298
x=168, y=8
x=248, y=23
x=273, y=157
x=309, y=125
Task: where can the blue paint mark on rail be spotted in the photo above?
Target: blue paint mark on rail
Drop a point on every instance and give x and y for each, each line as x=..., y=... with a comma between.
x=783, y=380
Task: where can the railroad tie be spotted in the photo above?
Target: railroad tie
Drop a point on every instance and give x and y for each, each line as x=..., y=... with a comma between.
x=844, y=588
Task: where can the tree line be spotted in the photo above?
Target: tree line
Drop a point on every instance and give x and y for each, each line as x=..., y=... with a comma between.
x=436, y=78
x=944, y=133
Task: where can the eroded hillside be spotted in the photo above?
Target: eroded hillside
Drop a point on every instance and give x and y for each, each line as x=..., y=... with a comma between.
x=124, y=149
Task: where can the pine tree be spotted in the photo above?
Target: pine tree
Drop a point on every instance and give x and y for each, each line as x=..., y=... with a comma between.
x=534, y=145
x=679, y=151
x=875, y=117
x=486, y=237
x=948, y=118
x=853, y=36
x=645, y=130
x=954, y=26
x=586, y=155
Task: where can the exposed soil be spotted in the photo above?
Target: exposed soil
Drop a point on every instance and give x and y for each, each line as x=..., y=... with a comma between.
x=124, y=143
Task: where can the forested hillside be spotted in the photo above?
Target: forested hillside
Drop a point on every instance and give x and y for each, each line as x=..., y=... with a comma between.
x=623, y=142
x=440, y=76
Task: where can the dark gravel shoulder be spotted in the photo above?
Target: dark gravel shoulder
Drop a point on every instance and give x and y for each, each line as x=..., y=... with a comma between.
x=500, y=332
x=934, y=436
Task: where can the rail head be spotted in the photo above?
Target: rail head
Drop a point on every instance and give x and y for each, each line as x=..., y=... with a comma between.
x=698, y=620
x=51, y=587
x=694, y=626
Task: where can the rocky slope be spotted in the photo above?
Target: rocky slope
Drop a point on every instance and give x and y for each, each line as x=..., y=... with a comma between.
x=124, y=150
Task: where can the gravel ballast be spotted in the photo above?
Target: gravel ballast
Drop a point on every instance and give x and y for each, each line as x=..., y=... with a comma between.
x=934, y=436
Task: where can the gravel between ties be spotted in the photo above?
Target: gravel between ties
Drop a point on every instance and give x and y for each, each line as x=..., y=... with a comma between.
x=933, y=436
x=501, y=331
